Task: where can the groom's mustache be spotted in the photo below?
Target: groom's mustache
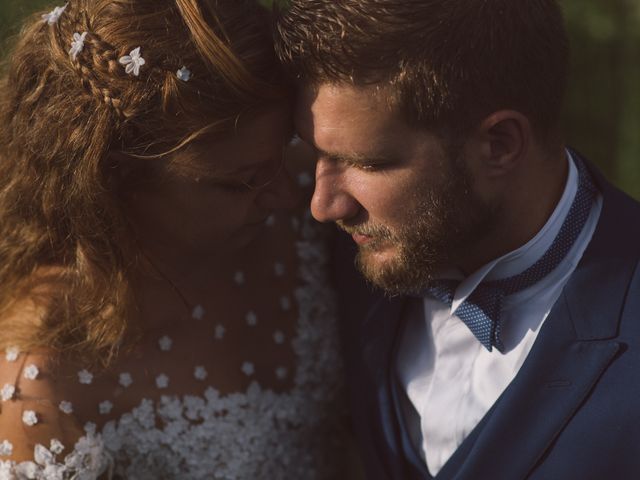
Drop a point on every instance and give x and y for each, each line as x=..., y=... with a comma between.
x=378, y=232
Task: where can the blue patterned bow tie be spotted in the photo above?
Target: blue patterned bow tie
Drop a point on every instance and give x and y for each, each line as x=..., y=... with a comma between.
x=481, y=310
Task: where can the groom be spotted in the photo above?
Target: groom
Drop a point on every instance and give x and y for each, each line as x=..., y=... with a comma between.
x=508, y=345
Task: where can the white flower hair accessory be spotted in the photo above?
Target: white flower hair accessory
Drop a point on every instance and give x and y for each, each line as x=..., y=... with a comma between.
x=54, y=15
x=133, y=62
x=77, y=45
x=184, y=74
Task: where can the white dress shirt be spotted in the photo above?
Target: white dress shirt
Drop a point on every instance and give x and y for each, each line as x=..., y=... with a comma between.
x=450, y=379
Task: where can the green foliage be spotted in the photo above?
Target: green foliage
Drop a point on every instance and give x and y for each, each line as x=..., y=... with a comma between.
x=602, y=115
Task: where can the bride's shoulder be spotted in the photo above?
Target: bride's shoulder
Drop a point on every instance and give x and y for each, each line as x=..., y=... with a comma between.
x=32, y=410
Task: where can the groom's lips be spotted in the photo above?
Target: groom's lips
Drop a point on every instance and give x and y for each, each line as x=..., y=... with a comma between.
x=361, y=239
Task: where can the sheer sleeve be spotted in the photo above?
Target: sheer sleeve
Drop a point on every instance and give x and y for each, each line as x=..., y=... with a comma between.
x=39, y=435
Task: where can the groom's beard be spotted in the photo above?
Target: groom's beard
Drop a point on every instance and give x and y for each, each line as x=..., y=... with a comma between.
x=440, y=224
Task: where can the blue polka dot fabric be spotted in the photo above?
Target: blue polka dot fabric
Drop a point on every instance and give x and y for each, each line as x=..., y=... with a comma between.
x=481, y=310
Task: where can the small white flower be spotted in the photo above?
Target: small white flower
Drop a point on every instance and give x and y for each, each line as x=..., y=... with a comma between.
x=220, y=330
x=198, y=312
x=105, y=407
x=11, y=354
x=132, y=62
x=238, y=277
x=200, y=373
x=248, y=369
x=31, y=372
x=27, y=469
x=278, y=337
x=252, y=319
x=77, y=45
x=162, y=381
x=125, y=379
x=295, y=140
x=56, y=446
x=29, y=417
x=184, y=74
x=271, y=221
x=85, y=377
x=165, y=343
x=90, y=428
x=285, y=303
x=305, y=179
x=6, y=448
x=66, y=407
x=281, y=373
x=7, y=392
x=278, y=269
x=54, y=15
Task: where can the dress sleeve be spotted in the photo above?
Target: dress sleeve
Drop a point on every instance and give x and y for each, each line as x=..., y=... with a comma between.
x=39, y=435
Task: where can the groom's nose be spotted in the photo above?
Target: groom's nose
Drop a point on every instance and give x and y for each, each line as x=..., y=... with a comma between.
x=331, y=198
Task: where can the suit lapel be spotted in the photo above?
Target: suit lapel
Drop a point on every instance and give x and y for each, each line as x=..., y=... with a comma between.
x=555, y=379
x=377, y=345
x=575, y=346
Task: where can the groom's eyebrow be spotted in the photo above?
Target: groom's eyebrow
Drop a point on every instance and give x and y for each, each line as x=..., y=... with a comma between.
x=351, y=158
x=348, y=158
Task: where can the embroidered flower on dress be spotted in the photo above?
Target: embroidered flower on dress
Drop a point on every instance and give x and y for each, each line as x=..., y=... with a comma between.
x=238, y=277
x=278, y=269
x=165, y=343
x=220, y=330
x=7, y=392
x=252, y=319
x=198, y=312
x=85, y=377
x=125, y=379
x=31, y=372
x=29, y=417
x=162, y=381
x=54, y=15
x=132, y=62
x=271, y=221
x=281, y=373
x=77, y=45
x=11, y=354
x=278, y=337
x=105, y=407
x=200, y=373
x=305, y=179
x=90, y=428
x=248, y=369
x=56, y=446
x=66, y=407
x=6, y=448
x=184, y=74
x=285, y=303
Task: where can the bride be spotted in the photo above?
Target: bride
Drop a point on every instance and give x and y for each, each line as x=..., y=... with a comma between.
x=163, y=304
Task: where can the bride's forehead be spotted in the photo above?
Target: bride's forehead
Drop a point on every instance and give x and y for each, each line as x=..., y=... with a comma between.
x=254, y=140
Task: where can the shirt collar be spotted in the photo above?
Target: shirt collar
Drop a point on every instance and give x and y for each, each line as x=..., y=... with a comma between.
x=523, y=257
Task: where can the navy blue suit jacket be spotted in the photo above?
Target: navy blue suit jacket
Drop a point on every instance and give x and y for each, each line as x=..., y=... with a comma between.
x=572, y=411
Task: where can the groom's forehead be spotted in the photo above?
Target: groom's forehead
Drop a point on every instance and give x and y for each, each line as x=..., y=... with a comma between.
x=342, y=102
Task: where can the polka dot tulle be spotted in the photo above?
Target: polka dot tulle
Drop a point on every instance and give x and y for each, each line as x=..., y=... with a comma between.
x=255, y=433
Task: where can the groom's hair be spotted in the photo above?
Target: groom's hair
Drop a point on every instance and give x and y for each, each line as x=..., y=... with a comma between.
x=449, y=62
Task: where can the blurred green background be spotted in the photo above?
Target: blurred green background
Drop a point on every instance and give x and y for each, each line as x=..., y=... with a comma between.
x=602, y=114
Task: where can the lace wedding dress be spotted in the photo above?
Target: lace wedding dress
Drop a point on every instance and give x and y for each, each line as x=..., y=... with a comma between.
x=254, y=434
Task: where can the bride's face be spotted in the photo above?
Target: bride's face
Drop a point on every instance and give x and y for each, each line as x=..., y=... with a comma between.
x=215, y=196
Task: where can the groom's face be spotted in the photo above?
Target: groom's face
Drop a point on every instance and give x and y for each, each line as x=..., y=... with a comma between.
x=407, y=202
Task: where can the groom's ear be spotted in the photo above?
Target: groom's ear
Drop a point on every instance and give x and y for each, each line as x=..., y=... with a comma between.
x=503, y=140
